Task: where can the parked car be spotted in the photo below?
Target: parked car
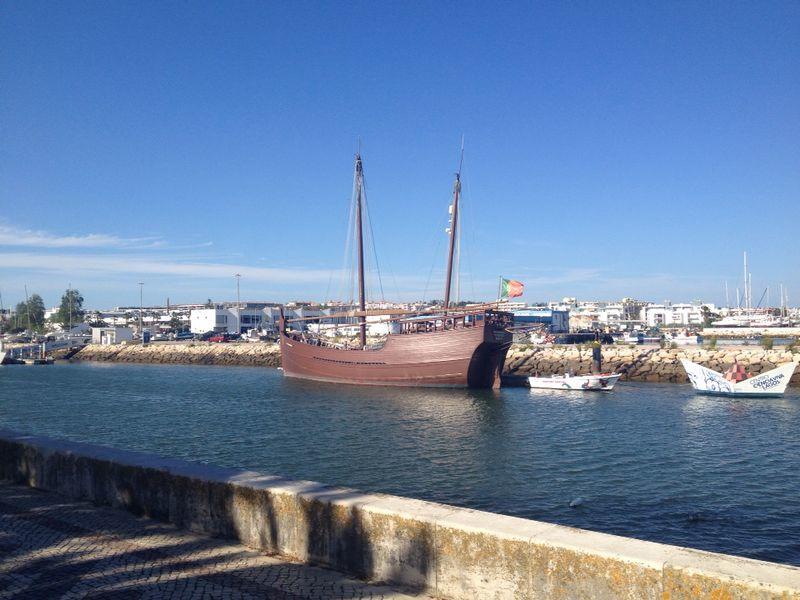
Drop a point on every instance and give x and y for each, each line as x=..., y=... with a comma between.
x=202, y=337
x=183, y=335
x=160, y=337
x=219, y=338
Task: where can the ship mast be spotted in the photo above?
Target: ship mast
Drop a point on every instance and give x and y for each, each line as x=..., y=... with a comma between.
x=453, y=232
x=362, y=319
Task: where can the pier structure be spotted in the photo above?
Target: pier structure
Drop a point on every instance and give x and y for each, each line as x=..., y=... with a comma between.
x=424, y=547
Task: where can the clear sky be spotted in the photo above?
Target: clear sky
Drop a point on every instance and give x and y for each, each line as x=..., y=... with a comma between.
x=612, y=149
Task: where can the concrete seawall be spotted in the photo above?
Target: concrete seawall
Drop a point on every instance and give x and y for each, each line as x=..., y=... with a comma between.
x=638, y=363
x=451, y=553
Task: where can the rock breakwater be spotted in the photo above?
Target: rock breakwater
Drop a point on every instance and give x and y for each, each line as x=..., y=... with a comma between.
x=188, y=353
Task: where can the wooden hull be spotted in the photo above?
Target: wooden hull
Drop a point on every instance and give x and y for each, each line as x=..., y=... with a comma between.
x=462, y=357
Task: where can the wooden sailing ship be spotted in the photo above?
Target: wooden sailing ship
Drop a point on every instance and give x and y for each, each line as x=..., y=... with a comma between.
x=447, y=347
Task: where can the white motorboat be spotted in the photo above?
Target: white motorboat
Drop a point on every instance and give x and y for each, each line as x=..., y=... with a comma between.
x=685, y=339
x=735, y=382
x=633, y=337
x=2, y=357
x=604, y=382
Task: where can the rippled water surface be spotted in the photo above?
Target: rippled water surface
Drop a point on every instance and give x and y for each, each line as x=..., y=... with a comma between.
x=652, y=461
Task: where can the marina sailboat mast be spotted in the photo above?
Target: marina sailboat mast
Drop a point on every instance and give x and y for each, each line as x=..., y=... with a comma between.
x=453, y=232
x=362, y=303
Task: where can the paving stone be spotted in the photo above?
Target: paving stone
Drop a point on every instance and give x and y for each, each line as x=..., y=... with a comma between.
x=55, y=548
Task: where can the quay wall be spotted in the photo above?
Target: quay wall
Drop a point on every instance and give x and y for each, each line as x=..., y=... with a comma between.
x=447, y=552
x=637, y=363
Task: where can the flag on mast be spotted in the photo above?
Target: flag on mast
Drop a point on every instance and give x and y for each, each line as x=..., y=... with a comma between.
x=511, y=288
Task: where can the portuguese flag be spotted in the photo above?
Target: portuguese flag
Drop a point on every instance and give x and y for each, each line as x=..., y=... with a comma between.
x=511, y=288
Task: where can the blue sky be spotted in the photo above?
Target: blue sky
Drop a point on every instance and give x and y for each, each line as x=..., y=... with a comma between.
x=612, y=149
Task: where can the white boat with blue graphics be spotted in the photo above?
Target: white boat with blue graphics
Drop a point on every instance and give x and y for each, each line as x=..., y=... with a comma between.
x=735, y=382
x=582, y=383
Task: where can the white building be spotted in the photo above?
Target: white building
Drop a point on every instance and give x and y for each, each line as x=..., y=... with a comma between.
x=228, y=320
x=111, y=335
x=655, y=315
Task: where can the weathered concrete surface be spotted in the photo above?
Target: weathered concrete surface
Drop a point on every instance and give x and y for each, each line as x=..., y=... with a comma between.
x=646, y=363
x=442, y=550
x=52, y=547
x=252, y=354
x=638, y=363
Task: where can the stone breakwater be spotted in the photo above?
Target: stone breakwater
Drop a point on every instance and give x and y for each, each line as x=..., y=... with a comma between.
x=645, y=363
x=636, y=363
x=189, y=353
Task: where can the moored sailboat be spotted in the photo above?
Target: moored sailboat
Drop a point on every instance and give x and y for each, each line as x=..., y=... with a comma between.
x=447, y=347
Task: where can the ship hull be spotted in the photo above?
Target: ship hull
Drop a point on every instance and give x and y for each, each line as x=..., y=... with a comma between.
x=462, y=357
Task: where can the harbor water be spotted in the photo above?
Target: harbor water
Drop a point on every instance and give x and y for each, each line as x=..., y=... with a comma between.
x=650, y=461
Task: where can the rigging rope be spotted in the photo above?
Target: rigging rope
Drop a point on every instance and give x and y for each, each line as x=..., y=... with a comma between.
x=471, y=242
x=372, y=236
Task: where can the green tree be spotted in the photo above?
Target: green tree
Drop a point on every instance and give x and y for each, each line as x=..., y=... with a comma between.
x=71, y=309
x=21, y=316
x=175, y=322
x=708, y=316
x=31, y=312
x=36, y=307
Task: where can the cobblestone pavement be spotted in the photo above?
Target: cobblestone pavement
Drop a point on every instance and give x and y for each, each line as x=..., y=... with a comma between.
x=51, y=547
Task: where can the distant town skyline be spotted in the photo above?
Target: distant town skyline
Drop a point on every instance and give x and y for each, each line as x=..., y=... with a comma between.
x=611, y=151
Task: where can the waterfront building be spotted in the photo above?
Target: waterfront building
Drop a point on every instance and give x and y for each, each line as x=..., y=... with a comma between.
x=681, y=314
x=226, y=320
x=111, y=335
x=555, y=321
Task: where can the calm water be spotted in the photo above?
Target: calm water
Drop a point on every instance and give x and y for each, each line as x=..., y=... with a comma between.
x=651, y=461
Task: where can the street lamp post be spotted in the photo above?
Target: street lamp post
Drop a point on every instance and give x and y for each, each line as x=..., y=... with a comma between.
x=238, y=305
x=141, y=308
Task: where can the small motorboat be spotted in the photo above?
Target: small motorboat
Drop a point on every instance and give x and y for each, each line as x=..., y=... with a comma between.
x=603, y=382
x=38, y=361
x=685, y=339
x=737, y=382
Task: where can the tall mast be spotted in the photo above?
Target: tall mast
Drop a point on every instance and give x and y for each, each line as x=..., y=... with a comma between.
x=453, y=232
x=362, y=306
x=746, y=298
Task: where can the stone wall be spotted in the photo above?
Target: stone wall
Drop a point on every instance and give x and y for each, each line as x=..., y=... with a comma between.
x=256, y=354
x=645, y=363
x=448, y=552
